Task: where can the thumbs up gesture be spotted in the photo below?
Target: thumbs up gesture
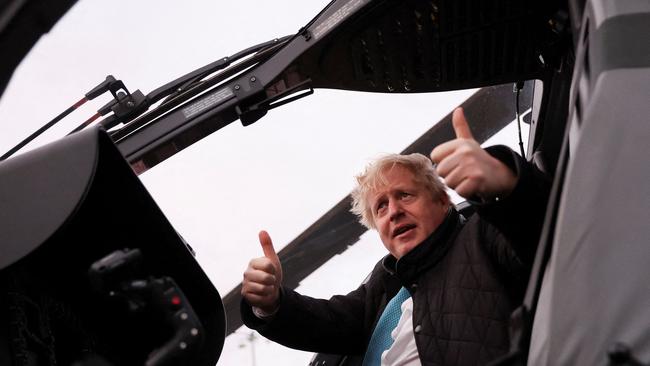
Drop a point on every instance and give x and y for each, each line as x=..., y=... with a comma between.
x=263, y=278
x=467, y=168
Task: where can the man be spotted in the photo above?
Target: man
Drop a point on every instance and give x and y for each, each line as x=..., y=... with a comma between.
x=455, y=281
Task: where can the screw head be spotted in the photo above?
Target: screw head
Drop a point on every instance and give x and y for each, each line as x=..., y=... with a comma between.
x=253, y=79
x=237, y=87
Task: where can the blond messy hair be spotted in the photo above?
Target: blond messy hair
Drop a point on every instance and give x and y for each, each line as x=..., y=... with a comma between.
x=373, y=178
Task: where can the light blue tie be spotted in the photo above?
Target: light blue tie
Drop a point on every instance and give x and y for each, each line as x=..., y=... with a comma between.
x=381, y=339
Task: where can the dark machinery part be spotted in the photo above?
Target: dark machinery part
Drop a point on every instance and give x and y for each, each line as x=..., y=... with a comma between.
x=48, y=308
x=22, y=23
x=113, y=275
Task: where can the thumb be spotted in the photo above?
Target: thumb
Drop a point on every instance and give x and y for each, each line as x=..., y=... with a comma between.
x=267, y=246
x=461, y=127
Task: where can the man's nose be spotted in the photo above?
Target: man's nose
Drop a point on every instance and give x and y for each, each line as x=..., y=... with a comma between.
x=394, y=209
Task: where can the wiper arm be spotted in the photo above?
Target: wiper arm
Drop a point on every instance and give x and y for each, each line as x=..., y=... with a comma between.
x=192, y=84
x=244, y=91
x=181, y=84
x=133, y=105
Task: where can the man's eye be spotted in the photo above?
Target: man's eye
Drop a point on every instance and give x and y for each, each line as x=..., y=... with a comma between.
x=380, y=206
x=405, y=194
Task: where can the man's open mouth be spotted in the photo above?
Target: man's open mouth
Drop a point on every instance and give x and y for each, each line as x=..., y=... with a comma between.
x=402, y=229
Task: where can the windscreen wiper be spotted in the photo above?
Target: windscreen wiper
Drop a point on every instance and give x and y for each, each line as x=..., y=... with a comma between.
x=128, y=108
x=198, y=107
x=268, y=79
x=186, y=87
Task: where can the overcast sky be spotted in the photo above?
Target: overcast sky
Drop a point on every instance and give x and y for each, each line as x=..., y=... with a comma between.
x=279, y=174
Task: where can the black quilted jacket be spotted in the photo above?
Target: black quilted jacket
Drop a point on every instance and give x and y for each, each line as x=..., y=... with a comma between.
x=465, y=279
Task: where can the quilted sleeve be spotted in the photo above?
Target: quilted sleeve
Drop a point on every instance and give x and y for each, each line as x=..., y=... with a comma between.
x=520, y=215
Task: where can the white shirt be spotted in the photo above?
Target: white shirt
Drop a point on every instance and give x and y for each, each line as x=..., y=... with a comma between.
x=403, y=351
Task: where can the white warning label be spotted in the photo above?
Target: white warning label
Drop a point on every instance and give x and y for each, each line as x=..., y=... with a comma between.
x=207, y=102
x=334, y=19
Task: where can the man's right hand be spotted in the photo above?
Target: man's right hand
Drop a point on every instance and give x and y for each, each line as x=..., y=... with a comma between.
x=263, y=278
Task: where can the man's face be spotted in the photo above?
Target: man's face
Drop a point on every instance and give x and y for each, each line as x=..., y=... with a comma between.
x=404, y=212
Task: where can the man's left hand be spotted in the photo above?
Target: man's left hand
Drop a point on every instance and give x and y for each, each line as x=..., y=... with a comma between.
x=467, y=168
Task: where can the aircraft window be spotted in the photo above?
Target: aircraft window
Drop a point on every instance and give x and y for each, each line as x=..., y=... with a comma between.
x=280, y=174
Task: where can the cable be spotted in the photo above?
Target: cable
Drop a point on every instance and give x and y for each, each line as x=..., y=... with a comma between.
x=107, y=108
x=43, y=129
x=95, y=92
x=518, y=87
x=86, y=123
